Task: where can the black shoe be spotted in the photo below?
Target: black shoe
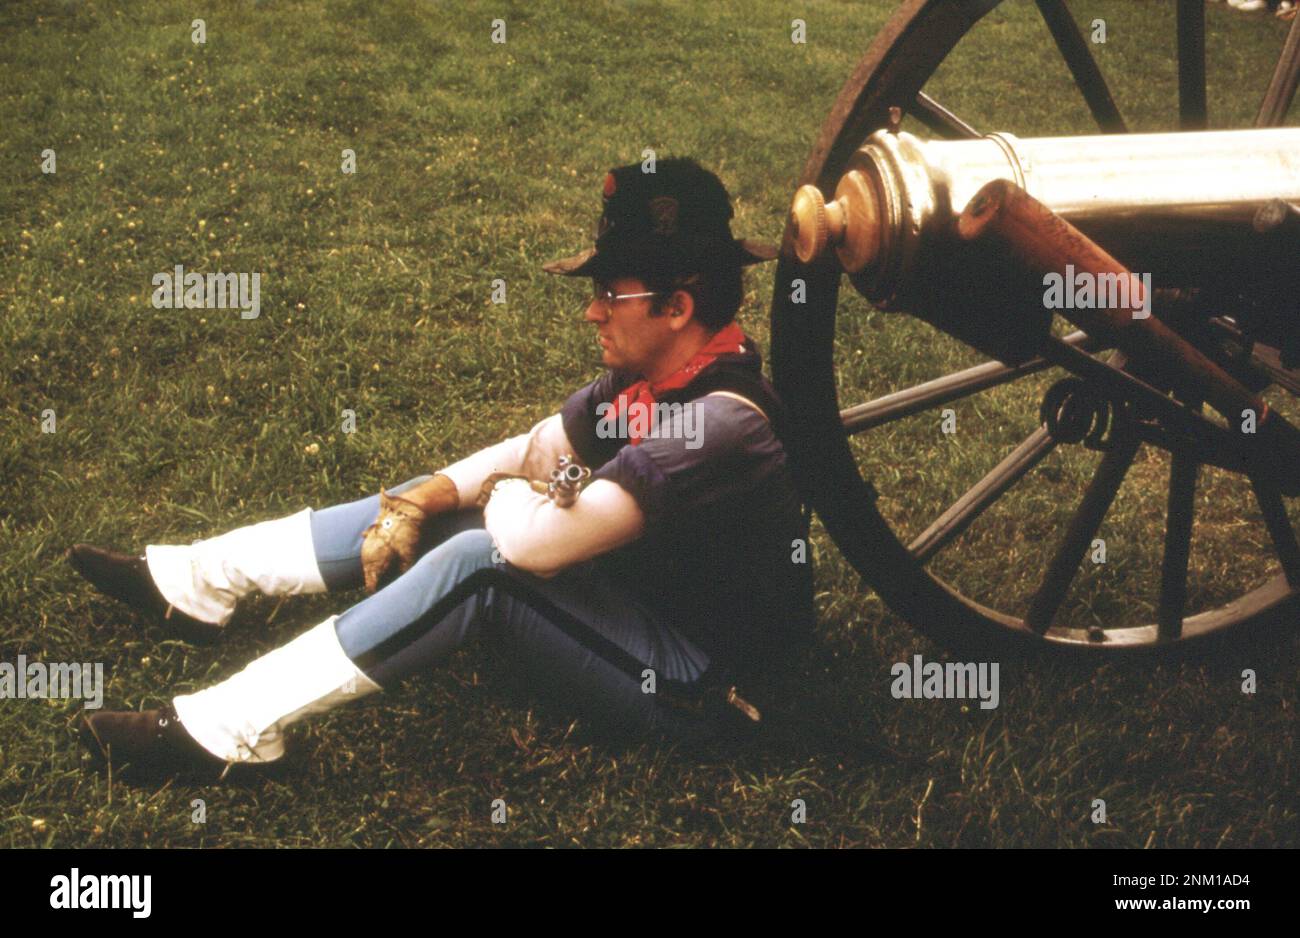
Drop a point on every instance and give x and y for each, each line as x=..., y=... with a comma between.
x=153, y=744
x=127, y=578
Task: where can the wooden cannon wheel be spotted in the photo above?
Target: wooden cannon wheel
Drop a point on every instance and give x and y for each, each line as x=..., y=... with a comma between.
x=827, y=438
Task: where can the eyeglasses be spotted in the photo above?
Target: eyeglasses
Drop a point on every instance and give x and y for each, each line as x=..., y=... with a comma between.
x=606, y=298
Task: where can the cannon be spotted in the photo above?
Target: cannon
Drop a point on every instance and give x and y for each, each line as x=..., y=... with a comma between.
x=1181, y=364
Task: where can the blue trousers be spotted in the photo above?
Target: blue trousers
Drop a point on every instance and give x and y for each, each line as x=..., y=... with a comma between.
x=576, y=638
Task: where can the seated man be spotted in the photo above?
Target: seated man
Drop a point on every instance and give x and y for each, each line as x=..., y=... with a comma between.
x=675, y=577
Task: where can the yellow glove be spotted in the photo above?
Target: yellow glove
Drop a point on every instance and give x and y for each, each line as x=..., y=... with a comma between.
x=485, y=491
x=392, y=541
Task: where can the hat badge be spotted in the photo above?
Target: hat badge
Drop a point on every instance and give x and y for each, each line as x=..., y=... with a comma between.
x=663, y=213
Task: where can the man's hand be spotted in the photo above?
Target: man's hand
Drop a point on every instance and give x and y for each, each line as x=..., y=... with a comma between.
x=392, y=542
x=485, y=491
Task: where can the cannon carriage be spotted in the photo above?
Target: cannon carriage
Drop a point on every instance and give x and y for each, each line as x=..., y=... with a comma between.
x=1185, y=370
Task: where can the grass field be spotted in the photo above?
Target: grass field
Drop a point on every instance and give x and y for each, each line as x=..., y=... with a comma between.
x=478, y=161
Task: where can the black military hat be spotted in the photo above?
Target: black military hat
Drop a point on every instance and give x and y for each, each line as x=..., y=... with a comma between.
x=671, y=222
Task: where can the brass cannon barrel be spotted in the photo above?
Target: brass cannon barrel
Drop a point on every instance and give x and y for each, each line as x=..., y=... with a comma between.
x=1179, y=206
x=1126, y=212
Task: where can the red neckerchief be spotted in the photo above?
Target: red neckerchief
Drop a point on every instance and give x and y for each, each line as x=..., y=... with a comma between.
x=728, y=340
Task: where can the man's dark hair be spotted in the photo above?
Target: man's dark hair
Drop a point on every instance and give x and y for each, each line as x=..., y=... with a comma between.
x=717, y=294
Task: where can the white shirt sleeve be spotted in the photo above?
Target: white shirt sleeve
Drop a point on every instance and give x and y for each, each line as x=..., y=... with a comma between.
x=533, y=454
x=535, y=535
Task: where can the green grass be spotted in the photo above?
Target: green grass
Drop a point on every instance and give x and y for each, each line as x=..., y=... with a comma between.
x=478, y=161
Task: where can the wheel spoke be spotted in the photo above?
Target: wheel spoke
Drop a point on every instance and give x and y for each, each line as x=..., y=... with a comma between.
x=941, y=120
x=1078, y=537
x=1191, y=65
x=922, y=397
x=1087, y=76
x=984, y=493
x=1178, y=546
x=1279, y=529
x=1281, y=88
